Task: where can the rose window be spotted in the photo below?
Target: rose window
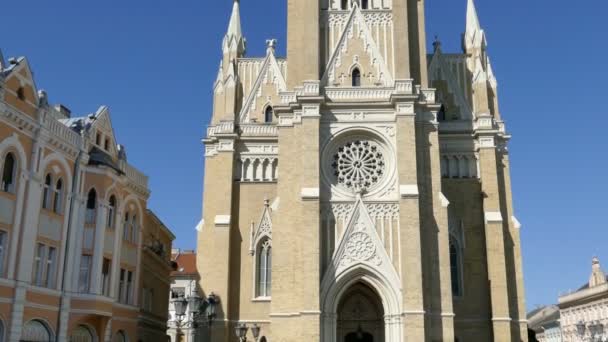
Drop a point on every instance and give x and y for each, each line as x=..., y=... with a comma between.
x=358, y=164
x=360, y=246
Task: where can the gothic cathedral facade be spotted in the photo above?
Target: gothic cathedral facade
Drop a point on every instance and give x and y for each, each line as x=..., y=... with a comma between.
x=359, y=189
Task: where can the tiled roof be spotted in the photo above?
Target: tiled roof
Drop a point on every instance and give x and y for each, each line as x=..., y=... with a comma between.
x=186, y=263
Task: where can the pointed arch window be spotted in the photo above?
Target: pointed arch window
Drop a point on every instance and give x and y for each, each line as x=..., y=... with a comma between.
x=21, y=94
x=111, y=212
x=127, y=227
x=46, y=194
x=58, y=197
x=441, y=114
x=268, y=114
x=264, y=268
x=134, y=229
x=8, y=173
x=456, y=267
x=356, y=77
x=91, y=206
x=36, y=330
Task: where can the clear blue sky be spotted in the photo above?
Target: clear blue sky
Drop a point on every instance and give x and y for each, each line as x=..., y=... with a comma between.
x=154, y=62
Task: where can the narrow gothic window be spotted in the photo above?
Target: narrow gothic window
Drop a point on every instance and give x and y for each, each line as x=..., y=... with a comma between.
x=111, y=212
x=46, y=199
x=364, y=4
x=344, y=4
x=356, y=76
x=8, y=173
x=268, y=114
x=264, y=268
x=91, y=206
x=441, y=114
x=455, y=268
x=21, y=94
x=58, y=197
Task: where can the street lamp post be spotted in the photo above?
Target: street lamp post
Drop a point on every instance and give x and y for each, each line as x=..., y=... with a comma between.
x=195, y=303
x=241, y=332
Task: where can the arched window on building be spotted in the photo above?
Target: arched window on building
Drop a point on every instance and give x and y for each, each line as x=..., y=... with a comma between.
x=21, y=93
x=456, y=267
x=356, y=77
x=82, y=334
x=344, y=5
x=441, y=114
x=134, y=229
x=46, y=195
x=364, y=4
x=120, y=337
x=91, y=206
x=36, y=331
x=264, y=268
x=126, y=232
x=111, y=212
x=268, y=113
x=58, y=197
x=8, y=173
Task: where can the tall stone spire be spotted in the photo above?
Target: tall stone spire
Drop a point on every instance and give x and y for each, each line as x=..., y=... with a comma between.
x=473, y=37
x=234, y=41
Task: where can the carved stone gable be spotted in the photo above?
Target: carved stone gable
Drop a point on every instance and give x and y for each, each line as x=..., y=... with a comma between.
x=361, y=244
x=263, y=229
x=265, y=91
x=357, y=49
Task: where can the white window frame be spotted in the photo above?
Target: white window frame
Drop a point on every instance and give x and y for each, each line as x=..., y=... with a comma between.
x=38, y=270
x=58, y=197
x=46, y=193
x=85, y=287
x=106, y=277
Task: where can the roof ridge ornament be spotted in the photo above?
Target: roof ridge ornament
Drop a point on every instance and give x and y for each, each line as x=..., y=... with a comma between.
x=271, y=45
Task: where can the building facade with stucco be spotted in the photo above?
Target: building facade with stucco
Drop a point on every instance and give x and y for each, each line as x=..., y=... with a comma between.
x=77, y=243
x=359, y=188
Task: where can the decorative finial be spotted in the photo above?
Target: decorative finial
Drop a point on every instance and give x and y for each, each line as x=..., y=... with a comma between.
x=437, y=44
x=266, y=202
x=270, y=45
x=595, y=261
x=359, y=188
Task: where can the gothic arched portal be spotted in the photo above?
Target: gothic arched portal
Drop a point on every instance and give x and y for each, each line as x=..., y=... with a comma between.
x=360, y=315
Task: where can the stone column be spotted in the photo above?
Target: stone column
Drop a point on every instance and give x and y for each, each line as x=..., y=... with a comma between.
x=495, y=238
x=442, y=328
x=27, y=240
x=19, y=205
x=213, y=259
x=98, y=246
x=410, y=243
x=116, y=254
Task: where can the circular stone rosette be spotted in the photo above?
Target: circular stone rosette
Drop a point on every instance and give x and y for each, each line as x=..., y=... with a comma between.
x=360, y=247
x=357, y=162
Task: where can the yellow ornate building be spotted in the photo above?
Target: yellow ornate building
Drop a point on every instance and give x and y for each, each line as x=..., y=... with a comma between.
x=81, y=257
x=359, y=190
